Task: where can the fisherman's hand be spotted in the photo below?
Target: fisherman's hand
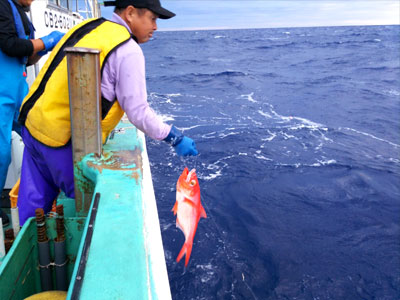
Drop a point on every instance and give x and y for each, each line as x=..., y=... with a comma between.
x=183, y=145
x=51, y=40
x=186, y=147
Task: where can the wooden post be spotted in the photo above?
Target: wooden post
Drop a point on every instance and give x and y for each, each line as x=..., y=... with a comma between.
x=85, y=109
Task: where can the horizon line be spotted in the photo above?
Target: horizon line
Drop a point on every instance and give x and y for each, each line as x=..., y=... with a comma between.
x=273, y=27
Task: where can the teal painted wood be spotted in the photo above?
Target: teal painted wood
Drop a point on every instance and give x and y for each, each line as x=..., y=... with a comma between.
x=126, y=259
x=68, y=203
x=18, y=275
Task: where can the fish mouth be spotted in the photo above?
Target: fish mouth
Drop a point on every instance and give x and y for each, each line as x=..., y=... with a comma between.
x=189, y=176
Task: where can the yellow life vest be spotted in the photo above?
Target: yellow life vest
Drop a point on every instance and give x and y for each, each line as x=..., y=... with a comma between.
x=45, y=110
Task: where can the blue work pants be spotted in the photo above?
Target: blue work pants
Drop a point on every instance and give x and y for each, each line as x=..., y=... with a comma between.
x=13, y=88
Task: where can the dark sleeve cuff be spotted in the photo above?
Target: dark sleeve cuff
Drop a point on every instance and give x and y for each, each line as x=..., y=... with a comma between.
x=16, y=47
x=174, y=137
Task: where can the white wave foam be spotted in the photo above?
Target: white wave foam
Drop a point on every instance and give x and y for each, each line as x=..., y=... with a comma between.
x=275, y=38
x=211, y=176
x=164, y=96
x=297, y=123
x=392, y=92
x=369, y=135
x=321, y=135
x=206, y=272
x=219, y=59
x=286, y=136
x=270, y=138
x=305, y=123
x=165, y=227
x=167, y=118
x=215, y=167
x=319, y=147
x=395, y=160
x=262, y=157
x=173, y=95
x=209, y=135
x=183, y=129
x=264, y=114
x=224, y=135
x=320, y=163
x=296, y=165
x=249, y=97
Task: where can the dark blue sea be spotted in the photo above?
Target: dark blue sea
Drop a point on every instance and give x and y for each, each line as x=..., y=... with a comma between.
x=298, y=131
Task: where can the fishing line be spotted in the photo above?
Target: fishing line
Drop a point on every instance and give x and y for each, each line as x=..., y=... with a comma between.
x=195, y=162
x=185, y=160
x=225, y=245
x=192, y=162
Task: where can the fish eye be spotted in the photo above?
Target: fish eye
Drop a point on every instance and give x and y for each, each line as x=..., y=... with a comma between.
x=192, y=182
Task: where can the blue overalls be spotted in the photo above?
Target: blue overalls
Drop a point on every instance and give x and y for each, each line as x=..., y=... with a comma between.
x=13, y=89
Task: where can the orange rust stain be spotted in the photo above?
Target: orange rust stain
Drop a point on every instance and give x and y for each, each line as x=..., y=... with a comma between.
x=124, y=160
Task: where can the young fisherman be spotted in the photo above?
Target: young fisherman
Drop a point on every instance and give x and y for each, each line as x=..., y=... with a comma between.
x=47, y=162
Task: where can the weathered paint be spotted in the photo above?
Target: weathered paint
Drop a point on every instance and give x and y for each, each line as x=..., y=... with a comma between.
x=126, y=258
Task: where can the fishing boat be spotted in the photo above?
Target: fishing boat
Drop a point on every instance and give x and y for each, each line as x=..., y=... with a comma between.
x=106, y=243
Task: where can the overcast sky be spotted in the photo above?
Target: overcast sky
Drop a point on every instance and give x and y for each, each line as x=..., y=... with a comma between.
x=203, y=14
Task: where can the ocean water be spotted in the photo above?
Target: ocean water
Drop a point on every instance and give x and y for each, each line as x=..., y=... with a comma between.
x=298, y=131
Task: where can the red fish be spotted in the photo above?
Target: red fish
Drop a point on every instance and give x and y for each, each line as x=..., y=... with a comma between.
x=188, y=209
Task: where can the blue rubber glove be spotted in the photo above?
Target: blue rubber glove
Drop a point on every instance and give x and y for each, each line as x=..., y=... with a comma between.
x=43, y=52
x=51, y=40
x=186, y=147
x=183, y=145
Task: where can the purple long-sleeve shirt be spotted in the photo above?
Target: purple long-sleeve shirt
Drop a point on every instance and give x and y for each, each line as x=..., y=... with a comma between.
x=124, y=78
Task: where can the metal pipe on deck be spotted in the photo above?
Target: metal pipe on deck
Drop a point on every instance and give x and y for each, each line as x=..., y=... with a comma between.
x=60, y=256
x=2, y=247
x=85, y=110
x=44, y=251
x=15, y=220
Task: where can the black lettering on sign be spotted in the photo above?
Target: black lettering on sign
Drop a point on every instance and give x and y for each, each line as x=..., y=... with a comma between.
x=57, y=21
x=51, y=19
x=46, y=19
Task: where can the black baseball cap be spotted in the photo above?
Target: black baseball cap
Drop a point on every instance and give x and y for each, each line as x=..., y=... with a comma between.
x=153, y=5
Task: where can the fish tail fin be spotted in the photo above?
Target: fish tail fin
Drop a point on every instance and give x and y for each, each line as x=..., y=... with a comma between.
x=186, y=249
x=188, y=252
x=181, y=253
